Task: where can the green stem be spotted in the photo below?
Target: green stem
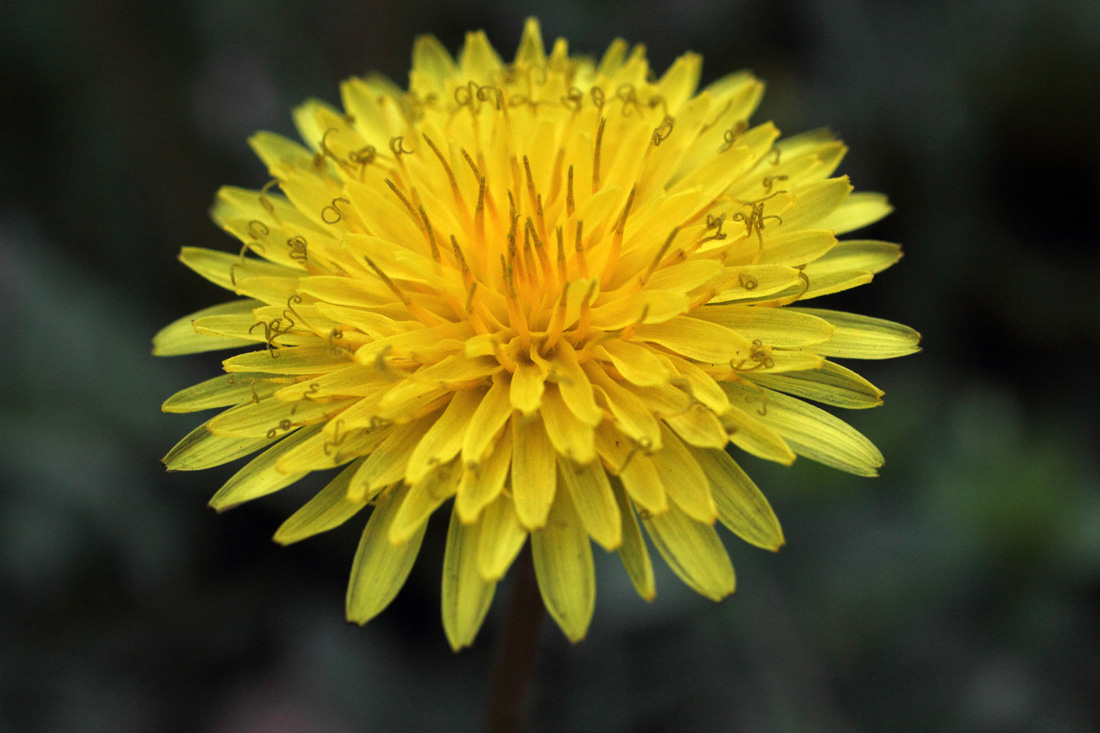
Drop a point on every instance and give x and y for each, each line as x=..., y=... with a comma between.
x=511, y=682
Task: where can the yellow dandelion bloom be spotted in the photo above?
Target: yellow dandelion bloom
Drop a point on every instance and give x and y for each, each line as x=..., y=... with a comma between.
x=551, y=291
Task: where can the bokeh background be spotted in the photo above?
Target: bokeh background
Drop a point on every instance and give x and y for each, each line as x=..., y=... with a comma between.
x=959, y=591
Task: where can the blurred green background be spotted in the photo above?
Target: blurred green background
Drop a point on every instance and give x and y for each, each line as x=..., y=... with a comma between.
x=959, y=591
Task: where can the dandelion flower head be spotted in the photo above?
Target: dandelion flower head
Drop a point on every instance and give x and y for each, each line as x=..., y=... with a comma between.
x=544, y=296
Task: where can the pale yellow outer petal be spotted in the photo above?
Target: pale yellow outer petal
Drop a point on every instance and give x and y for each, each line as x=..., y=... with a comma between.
x=696, y=339
x=272, y=417
x=683, y=479
x=486, y=422
x=422, y=499
x=569, y=436
x=327, y=510
x=815, y=202
x=482, y=482
x=444, y=438
x=632, y=416
x=741, y=506
x=466, y=594
x=501, y=538
x=864, y=337
x=816, y=434
x=201, y=449
x=859, y=210
x=380, y=569
x=632, y=551
x=592, y=498
x=748, y=433
x=564, y=568
x=772, y=326
x=699, y=426
x=693, y=551
x=859, y=254
x=832, y=384
x=533, y=472
x=797, y=247
x=179, y=337
x=386, y=465
x=221, y=391
x=633, y=468
x=575, y=387
x=261, y=476
x=528, y=384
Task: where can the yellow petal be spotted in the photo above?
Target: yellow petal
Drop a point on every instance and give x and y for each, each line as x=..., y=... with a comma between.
x=699, y=426
x=482, y=482
x=531, y=52
x=222, y=391
x=700, y=384
x=772, y=326
x=592, y=498
x=422, y=499
x=833, y=282
x=632, y=551
x=656, y=306
x=326, y=449
x=858, y=211
x=797, y=247
x=424, y=342
x=564, y=568
x=693, y=551
x=179, y=336
x=353, y=380
x=633, y=468
x=679, y=82
x=444, y=438
x=275, y=150
x=432, y=65
x=201, y=449
x=748, y=433
x=528, y=384
x=753, y=282
x=635, y=362
x=696, y=339
x=380, y=569
x=223, y=268
x=345, y=291
x=815, y=202
x=632, y=416
x=327, y=510
x=683, y=479
x=260, y=476
x=569, y=436
x=478, y=59
x=863, y=337
x=533, y=472
x=271, y=417
x=486, y=422
x=501, y=538
x=741, y=506
x=456, y=369
x=386, y=465
x=307, y=118
x=832, y=384
x=815, y=434
x=291, y=362
x=859, y=254
x=575, y=387
x=466, y=595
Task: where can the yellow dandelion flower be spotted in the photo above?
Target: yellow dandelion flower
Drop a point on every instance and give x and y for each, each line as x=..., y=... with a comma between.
x=551, y=291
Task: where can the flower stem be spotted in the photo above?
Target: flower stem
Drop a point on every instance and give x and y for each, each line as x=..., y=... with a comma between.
x=515, y=662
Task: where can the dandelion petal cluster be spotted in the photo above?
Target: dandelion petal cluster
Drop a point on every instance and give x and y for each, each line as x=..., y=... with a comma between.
x=547, y=294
